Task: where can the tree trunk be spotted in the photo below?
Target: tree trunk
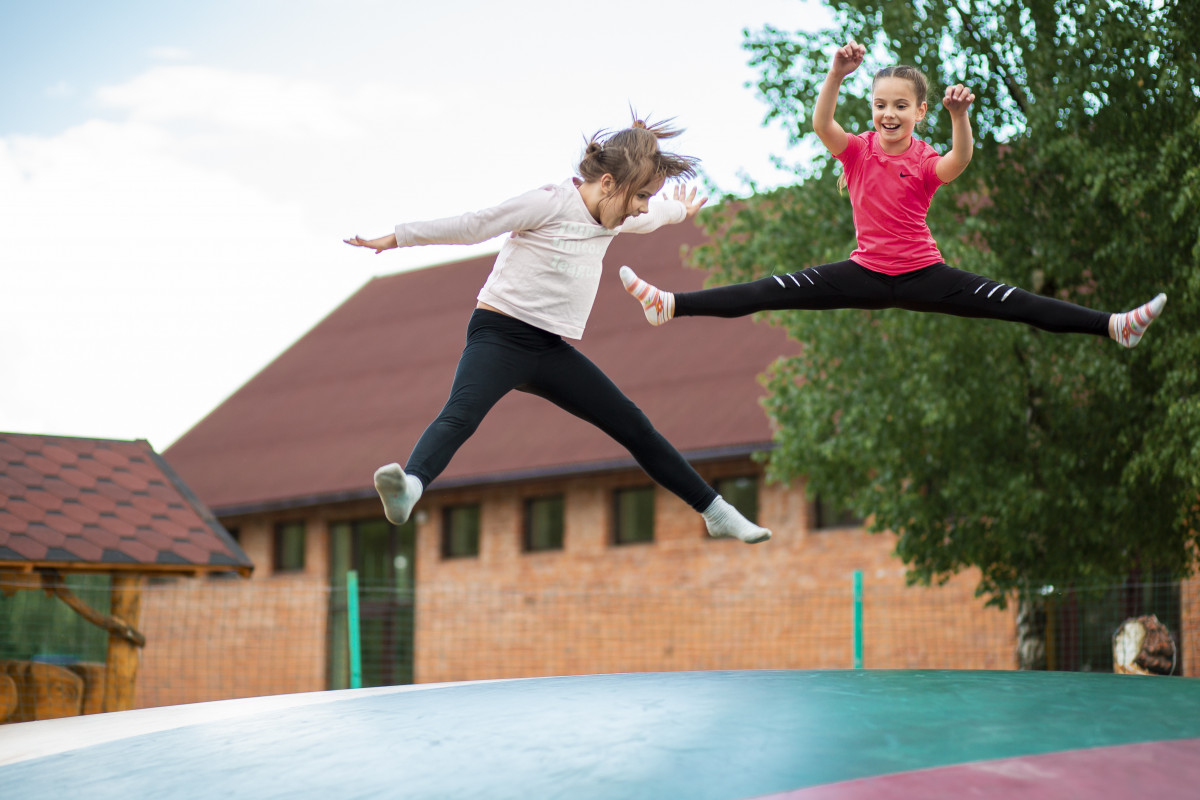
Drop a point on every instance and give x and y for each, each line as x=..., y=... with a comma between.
x=121, y=668
x=1031, y=632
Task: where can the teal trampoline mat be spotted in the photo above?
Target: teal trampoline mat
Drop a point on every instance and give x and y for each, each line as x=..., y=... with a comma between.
x=736, y=734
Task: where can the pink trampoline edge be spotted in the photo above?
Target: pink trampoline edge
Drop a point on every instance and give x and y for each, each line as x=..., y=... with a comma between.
x=1145, y=769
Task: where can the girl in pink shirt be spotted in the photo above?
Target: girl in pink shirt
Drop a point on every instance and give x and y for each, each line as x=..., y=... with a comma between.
x=541, y=290
x=892, y=178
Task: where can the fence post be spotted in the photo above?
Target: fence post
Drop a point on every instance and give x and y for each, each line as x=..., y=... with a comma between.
x=858, y=619
x=352, y=628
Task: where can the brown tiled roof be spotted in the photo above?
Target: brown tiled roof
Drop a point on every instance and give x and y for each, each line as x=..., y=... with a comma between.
x=97, y=504
x=357, y=391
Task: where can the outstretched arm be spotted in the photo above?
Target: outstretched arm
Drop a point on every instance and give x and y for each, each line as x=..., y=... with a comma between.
x=524, y=212
x=378, y=245
x=847, y=59
x=958, y=98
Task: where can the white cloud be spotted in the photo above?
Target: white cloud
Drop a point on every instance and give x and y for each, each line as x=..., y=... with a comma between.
x=143, y=286
x=231, y=103
x=155, y=259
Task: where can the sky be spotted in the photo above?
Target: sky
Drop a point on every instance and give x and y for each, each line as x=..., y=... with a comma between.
x=176, y=178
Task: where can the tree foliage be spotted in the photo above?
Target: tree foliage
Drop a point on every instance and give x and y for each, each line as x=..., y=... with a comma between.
x=984, y=444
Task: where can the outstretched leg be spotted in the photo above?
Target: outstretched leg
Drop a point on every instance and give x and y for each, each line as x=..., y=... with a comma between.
x=938, y=288
x=496, y=359
x=843, y=284
x=946, y=290
x=571, y=381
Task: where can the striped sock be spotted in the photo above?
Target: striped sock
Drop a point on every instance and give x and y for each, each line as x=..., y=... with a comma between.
x=658, y=305
x=1127, y=328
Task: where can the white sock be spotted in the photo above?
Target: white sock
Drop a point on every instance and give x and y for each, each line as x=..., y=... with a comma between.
x=726, y=522
x=658, y=305
x=1127, y=328
x=398, y=491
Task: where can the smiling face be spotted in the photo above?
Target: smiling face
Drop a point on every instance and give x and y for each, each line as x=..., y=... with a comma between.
x=895, y=112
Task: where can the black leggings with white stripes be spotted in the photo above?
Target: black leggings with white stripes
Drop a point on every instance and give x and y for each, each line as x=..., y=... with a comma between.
x=938, y=288
x=503, y=354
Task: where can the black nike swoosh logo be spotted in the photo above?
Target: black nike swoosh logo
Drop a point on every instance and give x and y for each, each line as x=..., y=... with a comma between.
x=904, y=174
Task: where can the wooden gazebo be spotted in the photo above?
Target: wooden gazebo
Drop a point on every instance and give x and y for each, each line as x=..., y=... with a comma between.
x=74, y=505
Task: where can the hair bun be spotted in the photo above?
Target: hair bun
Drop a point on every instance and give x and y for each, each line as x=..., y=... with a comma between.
x=637, y=123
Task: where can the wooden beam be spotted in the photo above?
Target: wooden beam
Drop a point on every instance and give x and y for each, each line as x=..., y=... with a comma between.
x=54, y=584
x=158, y=570
x=12, y=582
x=122, y=665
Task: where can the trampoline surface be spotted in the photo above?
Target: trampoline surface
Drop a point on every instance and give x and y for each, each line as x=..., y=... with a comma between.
x=723, y=735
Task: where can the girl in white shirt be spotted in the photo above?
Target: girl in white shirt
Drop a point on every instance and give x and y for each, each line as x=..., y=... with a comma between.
x=540, y=290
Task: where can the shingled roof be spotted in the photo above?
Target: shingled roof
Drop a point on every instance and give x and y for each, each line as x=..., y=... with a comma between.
x=358, y=389
x=76, y=504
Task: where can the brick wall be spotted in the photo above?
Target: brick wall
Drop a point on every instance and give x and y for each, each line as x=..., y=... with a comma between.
x=683, y=602
x=221, y=638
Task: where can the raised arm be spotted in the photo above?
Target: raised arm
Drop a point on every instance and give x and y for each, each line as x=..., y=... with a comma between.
x=847, y=59
x=962, y=143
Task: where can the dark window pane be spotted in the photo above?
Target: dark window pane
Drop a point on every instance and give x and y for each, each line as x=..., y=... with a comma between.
x=634, y=515
x=460, y=531
x=827, y=515
x=544, y=523
x=289, y=547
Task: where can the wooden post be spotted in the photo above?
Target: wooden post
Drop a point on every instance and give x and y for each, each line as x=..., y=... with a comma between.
x=122, y=665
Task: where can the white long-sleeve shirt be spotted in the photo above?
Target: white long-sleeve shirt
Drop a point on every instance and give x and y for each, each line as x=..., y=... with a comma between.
x=548, y=271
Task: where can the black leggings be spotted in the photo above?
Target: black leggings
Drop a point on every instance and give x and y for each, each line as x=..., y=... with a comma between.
x=503, y=354
x=938, y=288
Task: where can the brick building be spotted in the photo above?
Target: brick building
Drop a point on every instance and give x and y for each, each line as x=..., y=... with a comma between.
x=543, y=549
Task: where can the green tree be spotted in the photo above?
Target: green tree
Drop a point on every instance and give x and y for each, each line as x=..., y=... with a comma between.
x=984, y=444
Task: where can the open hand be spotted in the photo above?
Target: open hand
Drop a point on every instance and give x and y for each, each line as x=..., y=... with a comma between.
x=688, y=198
x=378, y=245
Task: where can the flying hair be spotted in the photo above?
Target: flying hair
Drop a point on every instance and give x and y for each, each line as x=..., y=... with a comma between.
x=633, y=158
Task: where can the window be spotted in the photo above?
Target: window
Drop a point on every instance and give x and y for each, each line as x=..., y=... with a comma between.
x=34, y=625
x=827, y=515
x=544, y=524
x=633, y=516
x=384, y=556
x=741, y=493
x=460, y=531
x=235, y=534
x=289, y=547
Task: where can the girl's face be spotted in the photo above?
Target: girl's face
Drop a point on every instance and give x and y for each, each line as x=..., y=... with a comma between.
x=612, y=214
x=895, y=113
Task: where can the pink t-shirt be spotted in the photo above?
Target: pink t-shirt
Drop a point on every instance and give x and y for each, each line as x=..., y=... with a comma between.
x=890, y=196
